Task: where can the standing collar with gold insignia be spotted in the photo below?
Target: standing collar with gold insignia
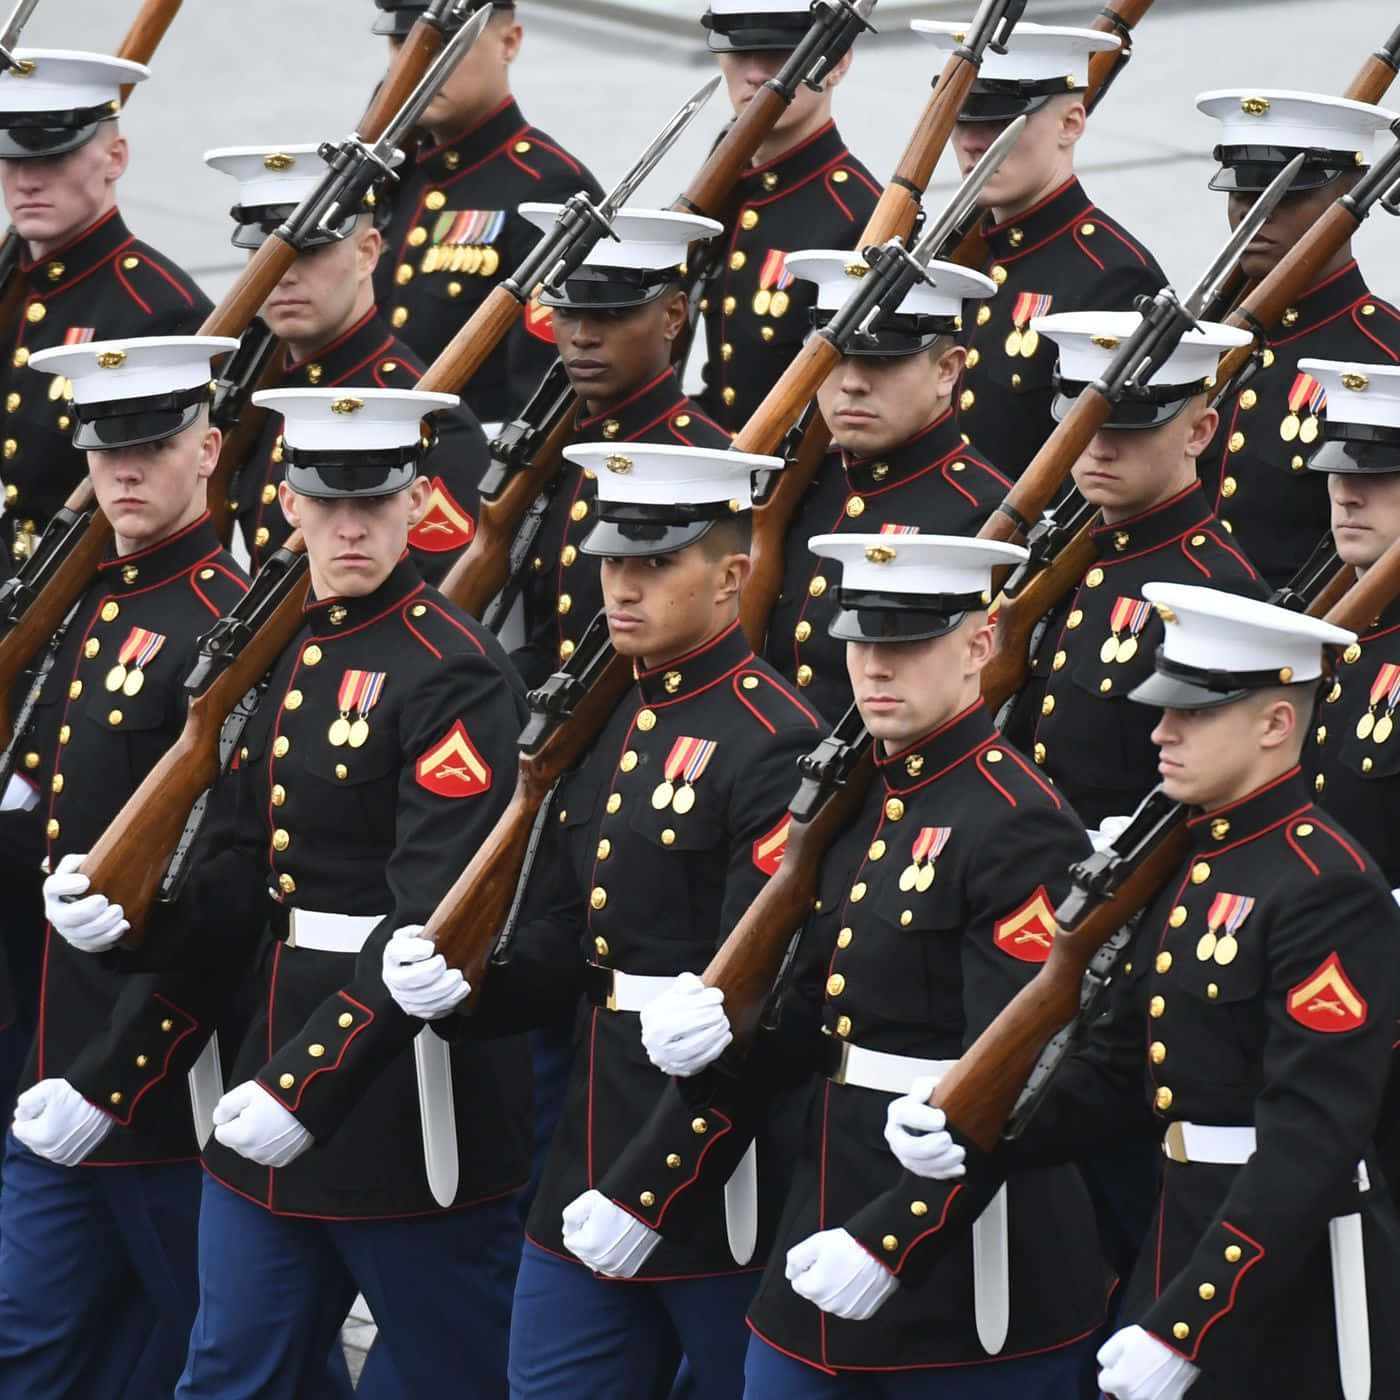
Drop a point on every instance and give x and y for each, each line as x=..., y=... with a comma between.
x=698, y=670
x=334, y=617
x=794, y=167
x=1283, y=799
x=638, y=413
x=358, y=349
x=945, y=747
x=927, y=448
x=1321, y=304
x=79, y=256
x=159, y=563
x=1161, y=525
x=1047, y=220
x=462, y=152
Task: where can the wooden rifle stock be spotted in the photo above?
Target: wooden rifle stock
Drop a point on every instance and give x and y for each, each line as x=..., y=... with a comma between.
x=239, y=442
x=143, y=38
x=980, y=1090
x=1338, y=587
x=129, y=860
x=1120, y=18
x=469, y=917
x=420, y=48
x=1015, y=618
x=41, y=619
x=482, y=570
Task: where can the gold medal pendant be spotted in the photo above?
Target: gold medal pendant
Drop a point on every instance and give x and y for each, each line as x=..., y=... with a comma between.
x=1127, y=649
x=1384, y=726
x=908, y=878
x=1288, y=429
x=1309, y=431
x=1013, y=344
x=762, y=300
x=490, y=262
x=359, y=732
x=116, y=677
x=1109, y=650
x=1205, y=949
x=1227, y=950
x=684, y=799
x=339, y=733
x=1030, y=343
x=1366, y=724
x=135, y=679
x=925, y=878
x=661, y=796
x=781, y=302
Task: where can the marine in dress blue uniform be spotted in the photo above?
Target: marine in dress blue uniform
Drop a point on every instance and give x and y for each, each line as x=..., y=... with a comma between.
x=456, y=230
x=1050, y=246
x=902, y=466
x=101, y=1202
x=804, y=190
x=1250, y=1036
x=92, y=281
x=334, y=336
x=1257, y=464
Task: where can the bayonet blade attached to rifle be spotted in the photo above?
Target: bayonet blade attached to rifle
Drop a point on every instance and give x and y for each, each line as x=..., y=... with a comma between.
x=654, y=154
x=1219, y=271
x=9, y=37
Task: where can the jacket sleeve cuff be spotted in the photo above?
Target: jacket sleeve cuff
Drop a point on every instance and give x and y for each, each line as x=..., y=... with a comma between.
x=1191, y=1314
x=160, y=1040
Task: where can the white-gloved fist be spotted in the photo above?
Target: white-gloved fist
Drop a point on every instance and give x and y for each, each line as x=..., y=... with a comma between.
x=608, y=1239
x=685, y=1028
x=418, y=977
x=53, y=1120
x=1108, y=831
x=917, y=1133
x=91, y=925
x=251, y=1122
x=840, y=1276
x=1136, y=1366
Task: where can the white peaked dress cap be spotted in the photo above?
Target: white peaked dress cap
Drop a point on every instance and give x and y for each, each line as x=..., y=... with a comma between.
x=1361, y=421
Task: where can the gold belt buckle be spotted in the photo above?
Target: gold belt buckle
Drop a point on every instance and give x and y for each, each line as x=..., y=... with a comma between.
x=291, y=928
x=1174, y=1143
x=838, y=1075
x=611, y=1001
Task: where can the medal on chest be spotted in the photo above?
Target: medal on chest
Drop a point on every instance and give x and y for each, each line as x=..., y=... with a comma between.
x=919, y=873
x=359, y=694
x=1227, y=912
x=1385, y=691
x=1023, y=342
x=1306, y=399
x=137, y=652
x=1128, y=618
x=685, y=763
x=771, y=298
x=461, y=240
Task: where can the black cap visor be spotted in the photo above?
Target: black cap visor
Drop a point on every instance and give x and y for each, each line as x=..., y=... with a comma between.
x=395, y=20
x=896, y=336
x=1357, y=449
x=610, y=288
x=102, y=427
x=634, y=530
x=756, y=31
x=255, y=224
x=864, y=615
x=333, y=475
x=44, y=135
x=1173, y=686
x=1005, y=99
x=1145, y=408
x=1252, y=169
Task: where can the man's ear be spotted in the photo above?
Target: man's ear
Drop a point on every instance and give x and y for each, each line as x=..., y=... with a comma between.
x=290, y=503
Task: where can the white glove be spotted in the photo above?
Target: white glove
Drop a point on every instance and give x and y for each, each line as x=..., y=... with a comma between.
x=55, y=1121
x=1395, y=895
x=1109, y=830
x=606, y=1237
x=418, y=977
x=250, y=1121
x=917, y=1134
x=685, y=1028
x=91, y=925
x=840, y=1276
x=1136, y=1366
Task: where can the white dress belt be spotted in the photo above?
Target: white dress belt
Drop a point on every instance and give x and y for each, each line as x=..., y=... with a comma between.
x=1205, y=1142
x=877, y=1069
x=330, y=933
x=632, y=991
